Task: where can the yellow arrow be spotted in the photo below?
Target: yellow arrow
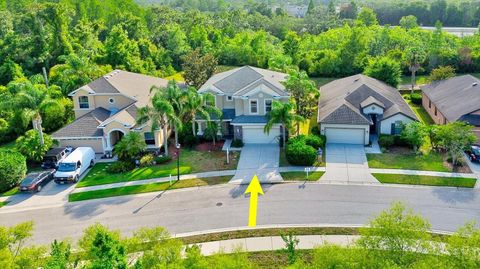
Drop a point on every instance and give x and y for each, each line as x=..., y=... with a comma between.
x=254, y=188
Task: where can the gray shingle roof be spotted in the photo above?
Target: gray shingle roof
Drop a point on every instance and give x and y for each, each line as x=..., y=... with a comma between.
x=455, y=97
x=348, y=94
x=238, y=80
x=370, y=101
x=85, y=126
x=250, y=119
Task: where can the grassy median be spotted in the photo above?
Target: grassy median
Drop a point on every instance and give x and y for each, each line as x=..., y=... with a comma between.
x=426, y=180
x=152, y=187
x=301, y=176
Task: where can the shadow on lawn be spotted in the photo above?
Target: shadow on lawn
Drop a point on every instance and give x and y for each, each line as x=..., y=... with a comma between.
x=454, y=196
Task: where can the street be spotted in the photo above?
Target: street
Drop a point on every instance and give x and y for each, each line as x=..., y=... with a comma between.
x=225, y=206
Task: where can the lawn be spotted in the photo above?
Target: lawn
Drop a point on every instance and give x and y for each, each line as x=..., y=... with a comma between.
x=3, y=203
x=421, y=80
x=429, y=162
x=190, y=162
x=10, y=192
x=426, y=180
x=301, y=176
x=153, y=187
x=421, y=113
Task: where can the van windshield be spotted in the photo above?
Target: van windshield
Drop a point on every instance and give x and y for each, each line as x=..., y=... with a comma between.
x=67, y=167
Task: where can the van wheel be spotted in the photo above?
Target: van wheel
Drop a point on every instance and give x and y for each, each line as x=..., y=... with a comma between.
x=91, y=164
x=39, y=188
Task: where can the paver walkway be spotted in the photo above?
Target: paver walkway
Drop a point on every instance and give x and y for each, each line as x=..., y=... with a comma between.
x=259, y=159
x=347, y=163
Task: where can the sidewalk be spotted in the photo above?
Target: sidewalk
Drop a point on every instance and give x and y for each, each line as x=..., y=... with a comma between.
x=420, y=173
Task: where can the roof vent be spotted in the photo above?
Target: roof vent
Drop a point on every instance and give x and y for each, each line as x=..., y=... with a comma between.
x=474, y=84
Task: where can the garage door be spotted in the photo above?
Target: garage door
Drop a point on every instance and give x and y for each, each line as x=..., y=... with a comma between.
x=345, y=136
x=255, y=135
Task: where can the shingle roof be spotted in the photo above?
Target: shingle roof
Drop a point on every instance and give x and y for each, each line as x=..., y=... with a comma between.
x=455, y=97
x=351, y=92
x=85, y=126
x=239, y=79
x=370, y=101
x=250, y=119
x=227, y=114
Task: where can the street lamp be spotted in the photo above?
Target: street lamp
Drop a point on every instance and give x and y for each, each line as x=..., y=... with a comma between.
x=178, y=161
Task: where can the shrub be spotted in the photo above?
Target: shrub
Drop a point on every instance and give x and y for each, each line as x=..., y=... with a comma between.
x=296, y=139
x=315, y=130
x=163, y=159
x=147, y=160
x=300, y=154
x=416, y=98
x=386, y=141
x=190, y=140
x=314, y=141
x=13, y=167
x=237, y=143
x=120, y=167
x=130, y=146
x=29, y=145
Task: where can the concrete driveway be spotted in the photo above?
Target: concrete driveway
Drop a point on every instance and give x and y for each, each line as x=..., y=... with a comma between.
x=259, y=159
x=347, y=163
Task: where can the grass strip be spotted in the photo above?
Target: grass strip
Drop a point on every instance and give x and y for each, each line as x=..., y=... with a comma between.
x=429, y=162
x=152, y=187
x=426, y=180
x=4, y=203
x=10, y=192
x=301, y=176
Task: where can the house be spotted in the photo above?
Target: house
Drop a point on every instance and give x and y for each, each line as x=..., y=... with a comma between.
x=245, y=96
x=454, y=99
x=353, y=108
x=106, y=110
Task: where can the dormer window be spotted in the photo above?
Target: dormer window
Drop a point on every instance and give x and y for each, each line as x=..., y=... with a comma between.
x=229, y=98
x=83, y=102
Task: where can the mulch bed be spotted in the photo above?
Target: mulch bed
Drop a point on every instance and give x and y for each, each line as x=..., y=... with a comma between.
x=208, y=146
x=400, y=150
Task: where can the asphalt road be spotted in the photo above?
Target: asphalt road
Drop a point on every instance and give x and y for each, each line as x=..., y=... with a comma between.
x=225, y=206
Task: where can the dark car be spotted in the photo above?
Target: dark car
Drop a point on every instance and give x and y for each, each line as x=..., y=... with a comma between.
x=36, y=181
x=54, y=156
x=474, y=153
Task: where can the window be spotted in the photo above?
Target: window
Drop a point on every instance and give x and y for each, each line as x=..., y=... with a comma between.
x=429, y=104
x=268, y=105
x=253, y=106
x=149, y=138
x=435, y=111
x=229, y=98
x=397, y=127
x=83, y=102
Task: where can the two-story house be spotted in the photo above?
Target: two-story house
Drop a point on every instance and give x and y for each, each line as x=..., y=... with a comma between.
x=245, y=96
x=106, y=110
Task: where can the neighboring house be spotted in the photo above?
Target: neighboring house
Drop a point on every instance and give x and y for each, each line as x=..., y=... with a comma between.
x=245, y=95
x=106, y=110
x=454, y=99
x=353, y=108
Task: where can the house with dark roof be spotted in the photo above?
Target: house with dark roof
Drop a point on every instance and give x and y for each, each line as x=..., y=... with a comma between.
x=454, y=99
x=352, y=109
x=245, y=96
x=105, y=111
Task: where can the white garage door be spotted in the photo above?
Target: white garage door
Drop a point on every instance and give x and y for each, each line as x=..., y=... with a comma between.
x=255, y=135
x=345, y=136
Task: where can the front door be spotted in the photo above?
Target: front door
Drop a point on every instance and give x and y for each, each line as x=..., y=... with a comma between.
x=373, y=127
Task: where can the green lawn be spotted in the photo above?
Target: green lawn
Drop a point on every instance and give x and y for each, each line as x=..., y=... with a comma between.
x=301, y=176
x=421, y=113
x=3, y=204
x=421, y=79
x=429, y=162
x=426, y=180
x=153, y=187
x=10, y=192
x=190, y=162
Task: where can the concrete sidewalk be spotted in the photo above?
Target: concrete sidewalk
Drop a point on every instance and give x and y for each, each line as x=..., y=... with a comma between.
x=420, y=173
x=270, y=243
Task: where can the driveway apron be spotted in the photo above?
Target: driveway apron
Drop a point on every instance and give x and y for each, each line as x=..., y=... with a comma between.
x=347, y=163
x=260, y=160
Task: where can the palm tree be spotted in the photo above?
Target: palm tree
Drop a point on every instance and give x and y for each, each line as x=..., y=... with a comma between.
x=282, y=113
x=176, y=98
x=195, y=105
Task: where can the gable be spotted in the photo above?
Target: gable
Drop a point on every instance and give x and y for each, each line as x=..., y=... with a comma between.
x=345, y=115
x=261, y=87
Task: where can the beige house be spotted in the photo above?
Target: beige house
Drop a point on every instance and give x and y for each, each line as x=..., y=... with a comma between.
x=106, y=110
x=245, y=96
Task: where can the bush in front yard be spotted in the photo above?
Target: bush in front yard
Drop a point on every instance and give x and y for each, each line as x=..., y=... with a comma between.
x=299, y=153
x=314, y=141
x=163, y=159
x=147, y=160
x=416, y=98
x=120, y=167
x=237, y=143
x=13, y=167
x=386, y=141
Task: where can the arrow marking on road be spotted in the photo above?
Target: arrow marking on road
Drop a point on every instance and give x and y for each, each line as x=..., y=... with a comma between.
x=254, y=188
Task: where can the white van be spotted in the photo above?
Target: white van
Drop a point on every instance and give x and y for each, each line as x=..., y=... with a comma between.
x=72, y=167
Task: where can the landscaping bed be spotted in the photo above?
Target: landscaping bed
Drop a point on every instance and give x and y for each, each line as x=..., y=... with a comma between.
x=426, y=180
x=152, y=187
x=301, y=176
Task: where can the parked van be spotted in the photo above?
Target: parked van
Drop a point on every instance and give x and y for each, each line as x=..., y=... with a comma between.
x=54, y=156
x=72, y=167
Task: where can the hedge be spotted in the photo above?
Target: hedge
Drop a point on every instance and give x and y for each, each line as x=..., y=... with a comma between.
x=13, y=167
x=416, y=98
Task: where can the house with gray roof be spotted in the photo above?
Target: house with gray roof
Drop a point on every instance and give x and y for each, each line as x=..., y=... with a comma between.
x=454, y=99
x=106, y=110
x=245, y=96
x=352, y=109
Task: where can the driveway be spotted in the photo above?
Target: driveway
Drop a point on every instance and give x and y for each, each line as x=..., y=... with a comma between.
x=347, y=163
x=475, y=167
x=259, y=159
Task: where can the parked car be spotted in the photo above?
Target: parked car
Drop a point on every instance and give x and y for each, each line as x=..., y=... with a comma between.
x=36, y=181
x=72, y=167
x=54, y=156
x=474, y=153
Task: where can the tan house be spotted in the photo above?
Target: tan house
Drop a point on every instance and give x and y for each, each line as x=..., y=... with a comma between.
x=454, y=99
x=106, y=110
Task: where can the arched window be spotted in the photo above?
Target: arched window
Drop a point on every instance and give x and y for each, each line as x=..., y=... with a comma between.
x=83, y=102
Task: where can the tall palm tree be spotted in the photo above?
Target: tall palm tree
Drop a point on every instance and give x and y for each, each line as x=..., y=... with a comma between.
x=195, y=105
x=176, y=98
x=283, y=114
